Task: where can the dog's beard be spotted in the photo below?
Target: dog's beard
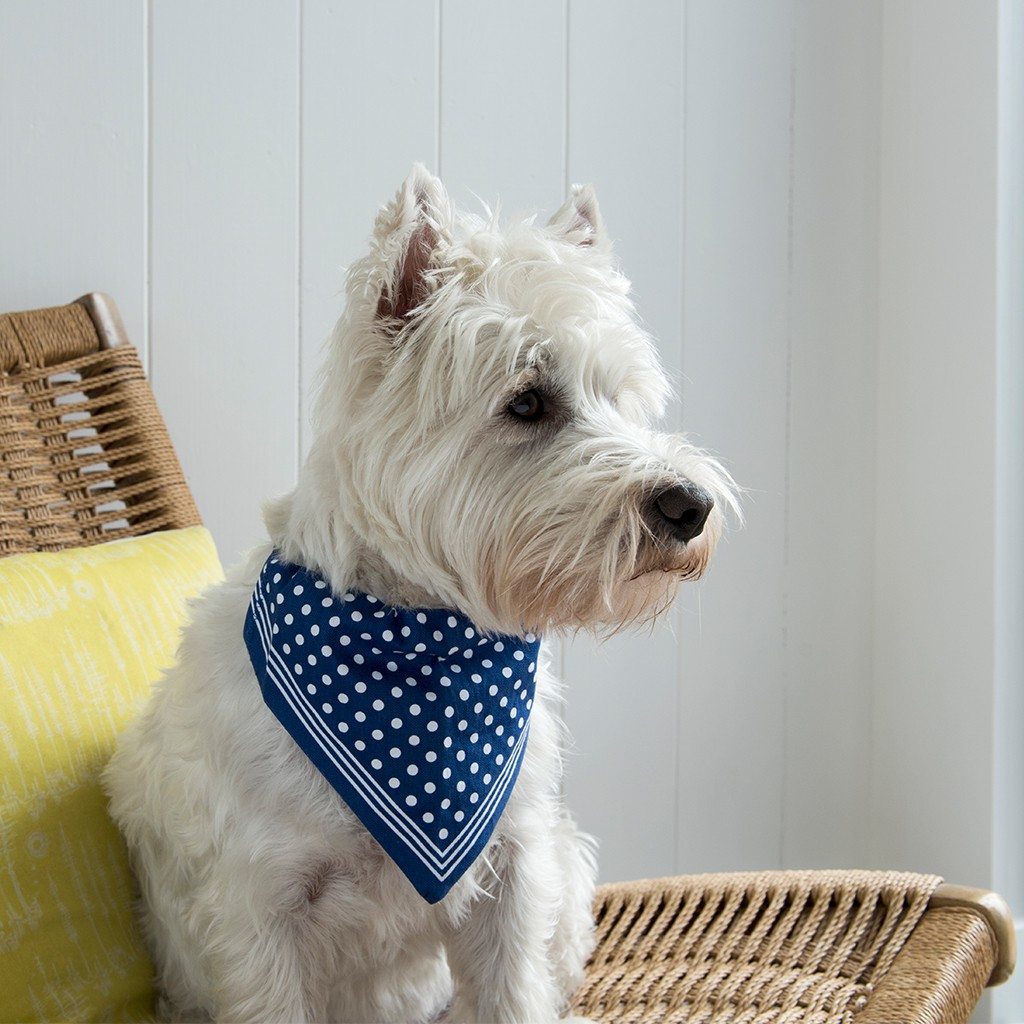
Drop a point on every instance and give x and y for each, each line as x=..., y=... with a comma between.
x=612, y=579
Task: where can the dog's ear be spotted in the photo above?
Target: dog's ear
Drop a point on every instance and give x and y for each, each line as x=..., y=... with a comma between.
x=579, y=218
x=408, y=233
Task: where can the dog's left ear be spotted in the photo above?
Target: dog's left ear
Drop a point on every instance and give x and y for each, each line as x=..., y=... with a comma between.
x=579, y=218
x=409, y=232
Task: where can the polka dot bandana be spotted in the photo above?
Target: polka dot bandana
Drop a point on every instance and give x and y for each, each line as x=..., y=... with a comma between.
x=417, y=719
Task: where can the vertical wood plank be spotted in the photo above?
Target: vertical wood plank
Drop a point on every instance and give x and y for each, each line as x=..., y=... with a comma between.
x=735, y=356
x=626, y=137
x=932, y=764
x=828, y=579
x=358, y=142
x=503, y=103
x=223, y=243
x=72, y=119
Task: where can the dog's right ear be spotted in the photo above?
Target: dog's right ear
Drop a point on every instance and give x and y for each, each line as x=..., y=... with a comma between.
x=408, y=233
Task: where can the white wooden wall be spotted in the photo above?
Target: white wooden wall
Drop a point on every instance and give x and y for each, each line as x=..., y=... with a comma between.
x=214, y=170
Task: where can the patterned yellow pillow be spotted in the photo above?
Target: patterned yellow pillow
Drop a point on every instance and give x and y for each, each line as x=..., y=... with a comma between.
x=83, y=635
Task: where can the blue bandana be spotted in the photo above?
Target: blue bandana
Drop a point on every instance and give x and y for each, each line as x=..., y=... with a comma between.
x=415, y=718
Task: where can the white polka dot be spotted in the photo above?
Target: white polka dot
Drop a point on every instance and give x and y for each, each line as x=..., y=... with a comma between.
x=410, y=800
x=300, y=639
x=431, y=755
x=378, y=705
x=327, y=709
x=394, y=783
x=396, y=691
x=289, y=619
x=356, y=616
x=334, y=621
x=412, y=770
x=343, y=727
x=442, y=833
x=428, y=818
x=487, y=779
x=414, y=709
x=342, y=669
x=459, y=815
x=387, y=635
x=421, y=618
x=470, y=633
x=507, y=672
x=314, y=630
x=446, y=773
x=344, y=641
x=445, y=804
x=429, y=787
x=377, y=676
x=396, y=723
x=498, y=645
x=311, y=688
x=297, y=590
x=377, y=734
x=464, y=694
x=474, y=768
x=377, y=763
x=414, y=741
x=518, y=655
x=460, y=785
x=492, y=690
x=473, y=797
x=395, y=752
x=452, y=621
x=306, y=609
x=360, y=745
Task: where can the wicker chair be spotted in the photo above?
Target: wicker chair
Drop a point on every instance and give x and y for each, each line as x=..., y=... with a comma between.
x=85, y=458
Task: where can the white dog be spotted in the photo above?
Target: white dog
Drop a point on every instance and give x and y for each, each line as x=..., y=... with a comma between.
x=483, y=453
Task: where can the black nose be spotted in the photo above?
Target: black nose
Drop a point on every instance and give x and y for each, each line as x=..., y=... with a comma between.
x=684, y=509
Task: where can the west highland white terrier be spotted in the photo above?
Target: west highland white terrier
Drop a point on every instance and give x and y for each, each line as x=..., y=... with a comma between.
x=343, y=803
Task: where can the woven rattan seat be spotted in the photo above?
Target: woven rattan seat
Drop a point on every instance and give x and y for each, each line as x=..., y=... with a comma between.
x=85, y=458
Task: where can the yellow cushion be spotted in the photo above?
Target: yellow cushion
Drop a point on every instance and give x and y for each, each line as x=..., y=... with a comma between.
x=83, y=635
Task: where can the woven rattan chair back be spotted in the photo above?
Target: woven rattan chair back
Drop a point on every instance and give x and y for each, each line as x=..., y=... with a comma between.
x=84, y=453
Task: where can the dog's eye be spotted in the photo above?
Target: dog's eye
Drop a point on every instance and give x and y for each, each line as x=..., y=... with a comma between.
x=527, y=406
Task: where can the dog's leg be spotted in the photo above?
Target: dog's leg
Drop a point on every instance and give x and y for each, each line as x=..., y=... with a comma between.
x=498, y=953
x=573, y=940
x=271, y=972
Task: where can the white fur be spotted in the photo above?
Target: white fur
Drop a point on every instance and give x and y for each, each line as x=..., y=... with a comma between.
x=263, y=897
